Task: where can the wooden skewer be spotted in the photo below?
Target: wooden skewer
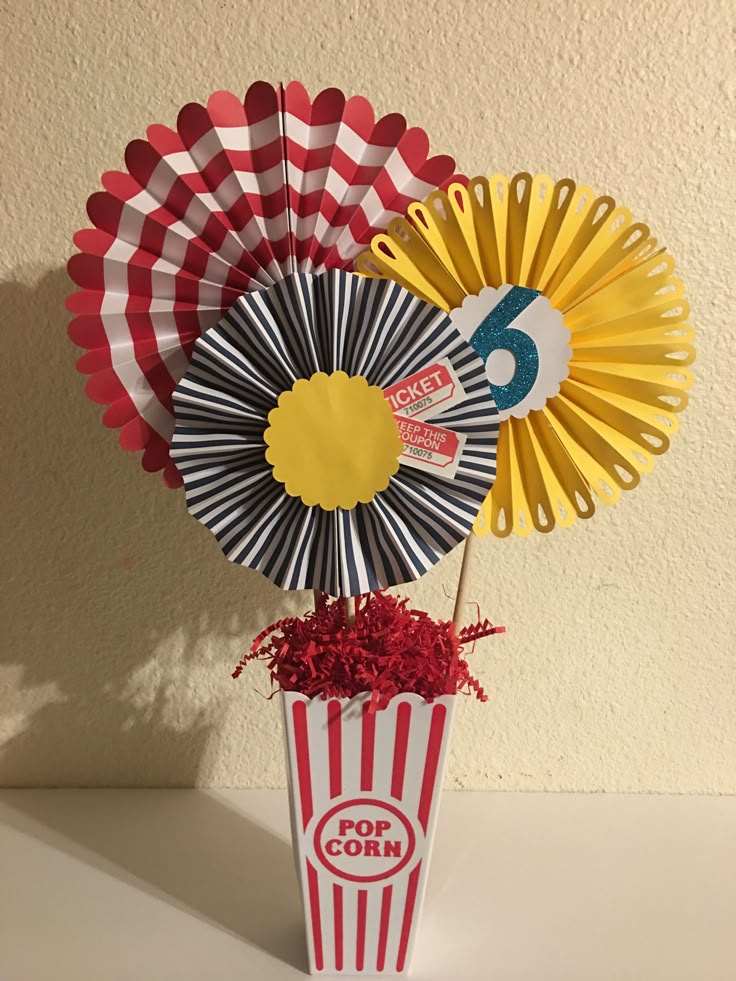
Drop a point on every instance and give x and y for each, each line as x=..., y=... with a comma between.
x=317, y=593
x=463, y=582
x=349, y=610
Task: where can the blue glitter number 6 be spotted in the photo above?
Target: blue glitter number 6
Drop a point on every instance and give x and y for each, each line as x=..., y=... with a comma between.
x=494, y=333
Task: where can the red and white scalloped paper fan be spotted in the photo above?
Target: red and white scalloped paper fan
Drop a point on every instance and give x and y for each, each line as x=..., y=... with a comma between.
x=238, y=196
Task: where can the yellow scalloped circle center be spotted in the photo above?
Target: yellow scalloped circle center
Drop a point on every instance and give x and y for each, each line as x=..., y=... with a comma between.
x=333, y=441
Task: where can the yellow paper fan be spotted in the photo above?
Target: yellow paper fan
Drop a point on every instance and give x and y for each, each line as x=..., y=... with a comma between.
x=625, y=310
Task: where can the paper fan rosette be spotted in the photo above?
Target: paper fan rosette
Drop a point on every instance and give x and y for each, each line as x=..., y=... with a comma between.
x=239, y=195
x=580, y=320
x=335, y=432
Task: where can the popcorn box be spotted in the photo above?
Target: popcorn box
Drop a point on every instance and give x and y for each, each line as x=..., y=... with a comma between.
x=364, y=790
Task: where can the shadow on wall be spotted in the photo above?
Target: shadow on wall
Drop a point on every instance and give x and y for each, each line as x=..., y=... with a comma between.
x=115, y=598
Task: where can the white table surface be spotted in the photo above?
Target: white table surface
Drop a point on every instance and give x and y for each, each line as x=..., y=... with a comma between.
x=181, y=885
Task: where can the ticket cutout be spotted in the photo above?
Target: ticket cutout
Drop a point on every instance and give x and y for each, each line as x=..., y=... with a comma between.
x=427, y=392
x=430, y=448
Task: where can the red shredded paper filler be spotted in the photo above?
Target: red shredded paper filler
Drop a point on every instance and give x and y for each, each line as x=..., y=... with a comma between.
x=388, y=649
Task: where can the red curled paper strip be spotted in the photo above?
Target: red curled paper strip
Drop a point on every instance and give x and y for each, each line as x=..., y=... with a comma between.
x=477, y=630
x=387, y=650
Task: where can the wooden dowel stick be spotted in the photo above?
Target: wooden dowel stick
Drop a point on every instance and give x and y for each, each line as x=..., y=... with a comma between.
x=463, y=582
x=317, y=593
x=349, y=610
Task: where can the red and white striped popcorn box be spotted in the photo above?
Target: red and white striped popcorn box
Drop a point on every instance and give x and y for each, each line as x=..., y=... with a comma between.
x=364, y=791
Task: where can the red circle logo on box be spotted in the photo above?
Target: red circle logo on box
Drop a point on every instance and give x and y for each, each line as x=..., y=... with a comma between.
x=364, y=840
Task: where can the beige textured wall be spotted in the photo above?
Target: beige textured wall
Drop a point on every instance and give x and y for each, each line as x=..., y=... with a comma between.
x=122, y=618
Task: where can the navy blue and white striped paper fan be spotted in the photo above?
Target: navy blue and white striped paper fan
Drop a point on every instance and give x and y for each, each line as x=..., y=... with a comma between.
x=268, y=340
